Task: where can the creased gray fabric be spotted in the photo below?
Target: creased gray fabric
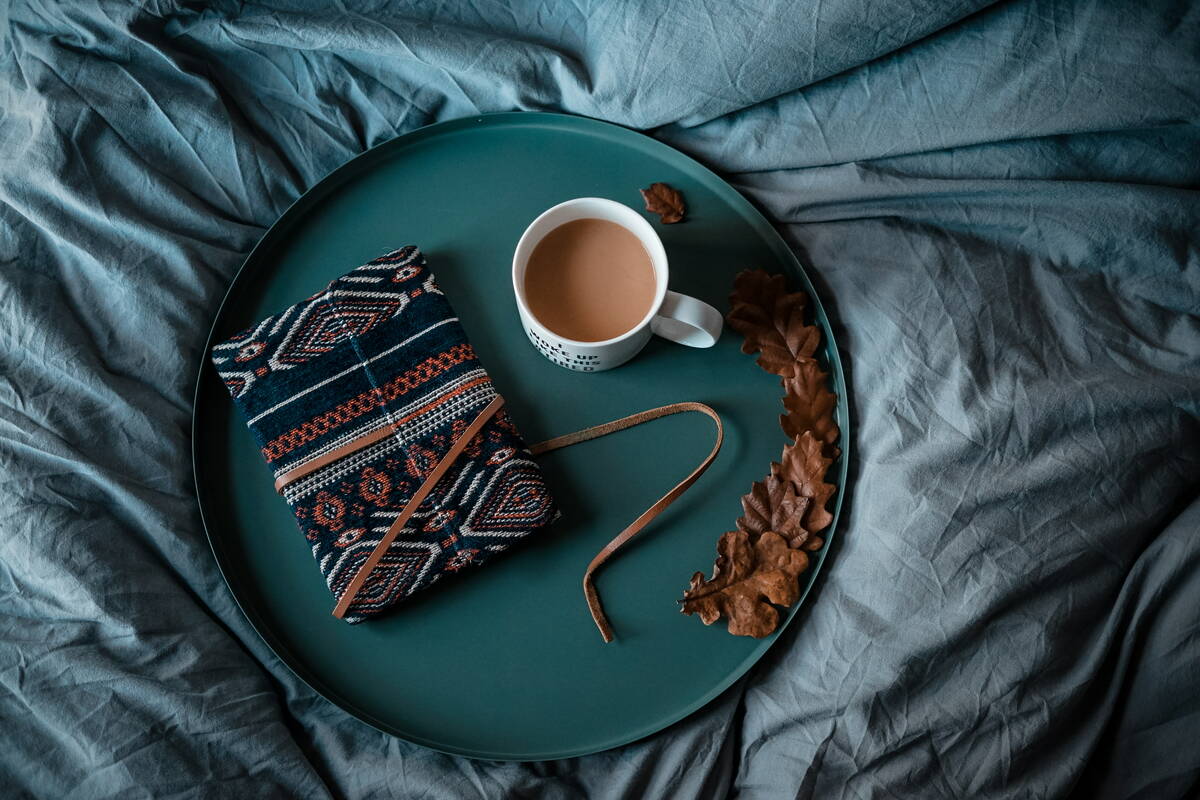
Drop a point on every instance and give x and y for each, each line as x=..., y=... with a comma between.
x=998, y=203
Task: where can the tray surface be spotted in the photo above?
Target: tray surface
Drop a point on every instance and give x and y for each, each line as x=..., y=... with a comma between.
x=504, y=662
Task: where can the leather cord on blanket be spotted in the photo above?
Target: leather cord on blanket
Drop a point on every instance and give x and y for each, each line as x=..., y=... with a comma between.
x=414, y=503
x=589, y=583
x=367, y=439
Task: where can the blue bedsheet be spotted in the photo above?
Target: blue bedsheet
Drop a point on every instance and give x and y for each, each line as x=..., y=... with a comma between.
x=998, y=203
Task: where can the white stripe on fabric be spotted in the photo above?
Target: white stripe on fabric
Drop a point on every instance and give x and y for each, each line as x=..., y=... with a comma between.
x=353, y=293
x=375, y=423
x=415, y=430
x=284, y=317
x=348, y=370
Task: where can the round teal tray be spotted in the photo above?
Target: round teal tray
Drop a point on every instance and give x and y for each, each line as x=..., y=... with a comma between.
x=504, y=662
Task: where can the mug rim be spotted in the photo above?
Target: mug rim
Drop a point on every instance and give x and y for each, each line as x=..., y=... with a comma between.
x=647, y=236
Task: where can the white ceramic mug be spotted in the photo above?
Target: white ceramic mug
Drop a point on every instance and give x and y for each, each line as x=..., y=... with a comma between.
x=673, y=316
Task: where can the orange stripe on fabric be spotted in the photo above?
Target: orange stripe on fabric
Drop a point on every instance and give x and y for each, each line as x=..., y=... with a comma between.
x=367, y=401
x=367, y=439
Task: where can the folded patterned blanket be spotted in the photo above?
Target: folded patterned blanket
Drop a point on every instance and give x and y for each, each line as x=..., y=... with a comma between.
x=384, y=433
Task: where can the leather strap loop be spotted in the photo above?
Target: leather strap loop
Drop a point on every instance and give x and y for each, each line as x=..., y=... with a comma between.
x=460, y=444
x=589, y=584
x=557, y=443
x=349, y=448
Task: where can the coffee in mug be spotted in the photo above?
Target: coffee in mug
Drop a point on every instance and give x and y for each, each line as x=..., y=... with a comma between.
x=590, y=278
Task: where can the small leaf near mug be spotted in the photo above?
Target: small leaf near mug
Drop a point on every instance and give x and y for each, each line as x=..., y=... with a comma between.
x=664, y=200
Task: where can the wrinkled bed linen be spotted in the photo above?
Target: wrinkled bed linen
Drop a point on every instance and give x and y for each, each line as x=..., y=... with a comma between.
x=998, y=203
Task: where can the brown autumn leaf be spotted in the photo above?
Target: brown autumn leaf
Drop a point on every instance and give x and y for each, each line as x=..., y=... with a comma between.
x=747, y=579
x=756, y=565
x=772, y=321
x=664, y=200
x=805, y=465
x=809, y=403
x=773, y=505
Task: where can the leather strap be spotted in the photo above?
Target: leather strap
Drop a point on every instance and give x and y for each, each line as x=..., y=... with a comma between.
x=351, y=447
x=358, y=443
x=557, y=443
x=589, y=584
x=413, y=504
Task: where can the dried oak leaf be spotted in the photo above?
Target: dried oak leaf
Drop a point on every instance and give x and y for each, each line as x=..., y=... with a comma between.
x=773, y=505
x=809, y=403
x=664, y=200
x=772, y=321
x=805, y=465
x=747, y=579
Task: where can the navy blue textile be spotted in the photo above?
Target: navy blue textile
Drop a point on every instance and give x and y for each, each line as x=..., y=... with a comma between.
x=377, y=367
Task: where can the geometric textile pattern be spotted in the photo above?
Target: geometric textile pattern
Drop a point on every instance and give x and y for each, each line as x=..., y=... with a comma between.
x=380, y=347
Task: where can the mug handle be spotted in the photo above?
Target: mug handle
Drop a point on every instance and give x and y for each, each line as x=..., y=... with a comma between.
x=687, y=321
